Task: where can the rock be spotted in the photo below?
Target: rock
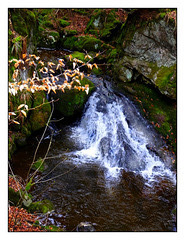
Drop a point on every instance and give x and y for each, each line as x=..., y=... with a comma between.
x=39, y=116
x=43, y=206
x=48, y=39
x=21, y=141
x=85, y=227
x=104, y=24
x=13, y=196
x=72, y=101
x=151, y=53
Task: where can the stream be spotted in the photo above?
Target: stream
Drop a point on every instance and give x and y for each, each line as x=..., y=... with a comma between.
x=115, y=170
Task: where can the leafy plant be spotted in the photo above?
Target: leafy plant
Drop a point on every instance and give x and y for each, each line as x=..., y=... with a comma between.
x=16, y=45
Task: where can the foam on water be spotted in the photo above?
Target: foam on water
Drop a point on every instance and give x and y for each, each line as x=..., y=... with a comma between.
x=105, y=137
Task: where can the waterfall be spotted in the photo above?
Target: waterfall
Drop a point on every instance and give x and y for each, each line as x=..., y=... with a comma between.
x=114, y=134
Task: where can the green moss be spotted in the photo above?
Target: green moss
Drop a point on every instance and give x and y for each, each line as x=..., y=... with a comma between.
x=13, y=196
x=19, y=24
x=103, y=24
x=160, y=112
x=23, y=20
x=79, y=55
x=26, y=129
x=112, y=55
x=64, y=23
x=47, y=24
x=39, y=116
x=53, y=228
x=88, y=43
x=39, y=164
x=97, y=71
x=43, y=206
x=70, y=32
x=72, y=101
x=11, y=145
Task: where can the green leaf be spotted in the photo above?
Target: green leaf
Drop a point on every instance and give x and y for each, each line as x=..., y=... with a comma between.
x=28, y=186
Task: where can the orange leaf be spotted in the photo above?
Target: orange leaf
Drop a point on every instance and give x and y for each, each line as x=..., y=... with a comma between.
x=24, y=55
x=15, y=122
x=24, y=113
x=70, y=57
x=95, y=65
x=20, y=106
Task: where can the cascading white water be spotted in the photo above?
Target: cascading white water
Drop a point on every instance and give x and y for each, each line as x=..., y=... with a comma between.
x=113, y=133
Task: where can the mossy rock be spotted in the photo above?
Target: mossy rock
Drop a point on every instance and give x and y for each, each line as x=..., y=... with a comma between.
x=48, y=39
x=79, y=55
x=97, y=72
x=103, y=24
x=160, y=111
x=43, y=206
x=70, y=32
x=63, y=23
x=13, y=196
x=72, y=101
x=25, y=24
x=161, y=77
x=81, y=43
x=40, y=115
x=11, y=145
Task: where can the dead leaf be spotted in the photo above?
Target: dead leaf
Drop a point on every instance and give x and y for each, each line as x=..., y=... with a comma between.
x=20, y=106
x=24, y=113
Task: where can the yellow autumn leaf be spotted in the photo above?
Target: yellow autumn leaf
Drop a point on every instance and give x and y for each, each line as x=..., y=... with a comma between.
x=50, y=64
x=88, y=56
x=58, y=65
x=11, y=113
x=53, y=89
x=15, y=122
x=87, y=90
x=76, y=80
x=41, y=63
x=16, y=64
x=61, y=61
x=51, y=70
x=95, y=65
x=24, y=55
x=70, y=57
x=24, y=113
x=89, y=66
x=82, y=76
x=69, y=86
x=66, y=77
x=20, y=106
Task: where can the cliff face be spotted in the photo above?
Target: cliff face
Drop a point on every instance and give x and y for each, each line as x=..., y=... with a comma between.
x=150, y=54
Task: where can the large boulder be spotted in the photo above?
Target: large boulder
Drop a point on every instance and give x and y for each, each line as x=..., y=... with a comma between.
x=71, y=102
x=150, y=52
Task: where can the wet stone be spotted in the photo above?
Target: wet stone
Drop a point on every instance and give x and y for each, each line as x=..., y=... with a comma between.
x=85, y=227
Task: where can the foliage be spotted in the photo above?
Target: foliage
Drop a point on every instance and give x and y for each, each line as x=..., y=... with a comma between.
x=19, y=220
x=53, y=77
x=38, y=165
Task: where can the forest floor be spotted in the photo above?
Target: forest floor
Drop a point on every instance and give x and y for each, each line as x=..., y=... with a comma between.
x=19, y=220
